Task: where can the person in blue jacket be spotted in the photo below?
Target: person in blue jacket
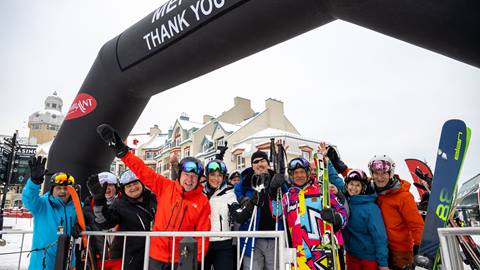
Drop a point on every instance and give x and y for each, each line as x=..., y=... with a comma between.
x=53, y=212
x=259, y=175
x=364, y=237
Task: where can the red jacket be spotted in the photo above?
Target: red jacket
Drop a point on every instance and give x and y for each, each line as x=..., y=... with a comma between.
x=177, y=210
x=403, y=223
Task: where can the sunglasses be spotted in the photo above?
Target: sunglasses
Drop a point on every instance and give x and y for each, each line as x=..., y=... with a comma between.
x=63, y=179
x=256, y=161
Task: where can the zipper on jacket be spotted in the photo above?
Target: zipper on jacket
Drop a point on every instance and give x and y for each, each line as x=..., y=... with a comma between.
x=178, y=213
x=171, y=214
x=221, y=229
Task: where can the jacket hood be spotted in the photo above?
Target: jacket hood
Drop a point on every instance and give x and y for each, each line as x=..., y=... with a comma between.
x=362, y=199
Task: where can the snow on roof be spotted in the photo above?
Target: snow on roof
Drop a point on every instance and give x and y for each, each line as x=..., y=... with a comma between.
x=157, y=142
x=208, y=138
x=294, y=141
x=135, y=140
x=229, y=127
x=187, y=124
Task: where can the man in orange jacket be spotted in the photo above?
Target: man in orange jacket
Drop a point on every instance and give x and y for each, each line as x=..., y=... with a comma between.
x=181, y=205
x=403, y=222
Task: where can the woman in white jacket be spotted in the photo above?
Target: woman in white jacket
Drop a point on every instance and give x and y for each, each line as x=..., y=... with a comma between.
x=220, y=195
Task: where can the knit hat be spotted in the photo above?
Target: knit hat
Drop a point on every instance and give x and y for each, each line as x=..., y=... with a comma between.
x=259, y=154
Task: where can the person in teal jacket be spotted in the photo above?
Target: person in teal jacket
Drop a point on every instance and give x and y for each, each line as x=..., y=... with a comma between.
x=52, y=212
x=364, y=236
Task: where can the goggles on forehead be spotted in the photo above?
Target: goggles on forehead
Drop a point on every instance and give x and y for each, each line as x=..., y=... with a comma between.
x=356, y=175
x=298, y=163
x=216, y=166
x=190, y=166
x=380, y=166
x=62, y=179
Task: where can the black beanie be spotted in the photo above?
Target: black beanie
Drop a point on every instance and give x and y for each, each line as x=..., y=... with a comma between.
x=259, y=154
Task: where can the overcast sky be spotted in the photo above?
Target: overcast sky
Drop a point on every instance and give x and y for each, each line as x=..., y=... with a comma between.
x=364, y=91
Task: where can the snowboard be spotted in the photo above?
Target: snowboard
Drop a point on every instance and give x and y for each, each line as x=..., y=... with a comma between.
x=451, y=152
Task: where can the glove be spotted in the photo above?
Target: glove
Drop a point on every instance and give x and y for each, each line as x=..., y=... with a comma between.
x=257, y=198
x=112, y=139
x=415, y=250
x=221, y=151
x=277, y=181
x=37, y=169
x=331, y=215
x=336, y=161
x=95, y=188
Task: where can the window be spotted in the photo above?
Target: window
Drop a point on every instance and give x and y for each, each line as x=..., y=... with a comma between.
x=159, y=167
x=240, y=162
x=306, y=155
x=177, y=141
x=54, y=105
x=220, y=142
x=149, y=155
x=186, y=152
x=121, y=169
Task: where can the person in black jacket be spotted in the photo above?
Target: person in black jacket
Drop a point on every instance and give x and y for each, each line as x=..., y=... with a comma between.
x=134, y=211
x=110, y=182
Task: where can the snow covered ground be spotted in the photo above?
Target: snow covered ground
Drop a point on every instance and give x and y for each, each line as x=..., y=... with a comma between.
x=13, y=243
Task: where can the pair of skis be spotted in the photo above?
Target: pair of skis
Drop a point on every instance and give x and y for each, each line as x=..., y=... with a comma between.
x=329, y=241
x=451, y=152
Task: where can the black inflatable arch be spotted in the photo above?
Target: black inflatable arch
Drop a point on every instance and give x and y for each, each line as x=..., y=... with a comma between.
x=184, y=39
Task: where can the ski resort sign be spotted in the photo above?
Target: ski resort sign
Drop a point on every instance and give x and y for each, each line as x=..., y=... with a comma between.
x=170, y=22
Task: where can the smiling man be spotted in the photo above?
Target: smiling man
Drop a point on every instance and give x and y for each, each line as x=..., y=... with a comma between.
x=181, y=204
x=403, y=223
x=51, y=212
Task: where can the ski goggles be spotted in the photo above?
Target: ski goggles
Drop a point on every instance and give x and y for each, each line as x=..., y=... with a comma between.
x=191, y=166
x=380, y=166
x=62, y=179
x=216, y=166
x=298, y=163
x=357, y=175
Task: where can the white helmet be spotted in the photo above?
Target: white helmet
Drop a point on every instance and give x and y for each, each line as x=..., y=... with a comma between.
x=107, y=177
x=381, y=163
x=127, y=177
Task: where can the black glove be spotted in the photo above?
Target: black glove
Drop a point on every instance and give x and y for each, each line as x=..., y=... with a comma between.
x=336, y=161
x=277, y=181
x=415, y=250
x=95, y=188
x=331, y=215
x=221, y=151
x=112, y=139
x=37, y=169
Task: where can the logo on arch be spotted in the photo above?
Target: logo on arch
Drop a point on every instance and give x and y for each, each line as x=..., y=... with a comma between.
x=81, y=106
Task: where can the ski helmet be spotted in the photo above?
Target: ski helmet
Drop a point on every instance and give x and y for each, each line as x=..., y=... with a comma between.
x=234, y=174
x=298, y=162
x=357, y=175
x=216, y=165
x=107, y=177
x=62, y=179
x=382, y=163
x=127, y=177
x=190, y=164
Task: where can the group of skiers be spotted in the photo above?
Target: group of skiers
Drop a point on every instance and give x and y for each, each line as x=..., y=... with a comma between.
x=374, y=219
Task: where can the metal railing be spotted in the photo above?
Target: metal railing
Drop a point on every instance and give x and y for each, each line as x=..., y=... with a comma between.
x=286, y=256
x=450, y=247
x=21, y=251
